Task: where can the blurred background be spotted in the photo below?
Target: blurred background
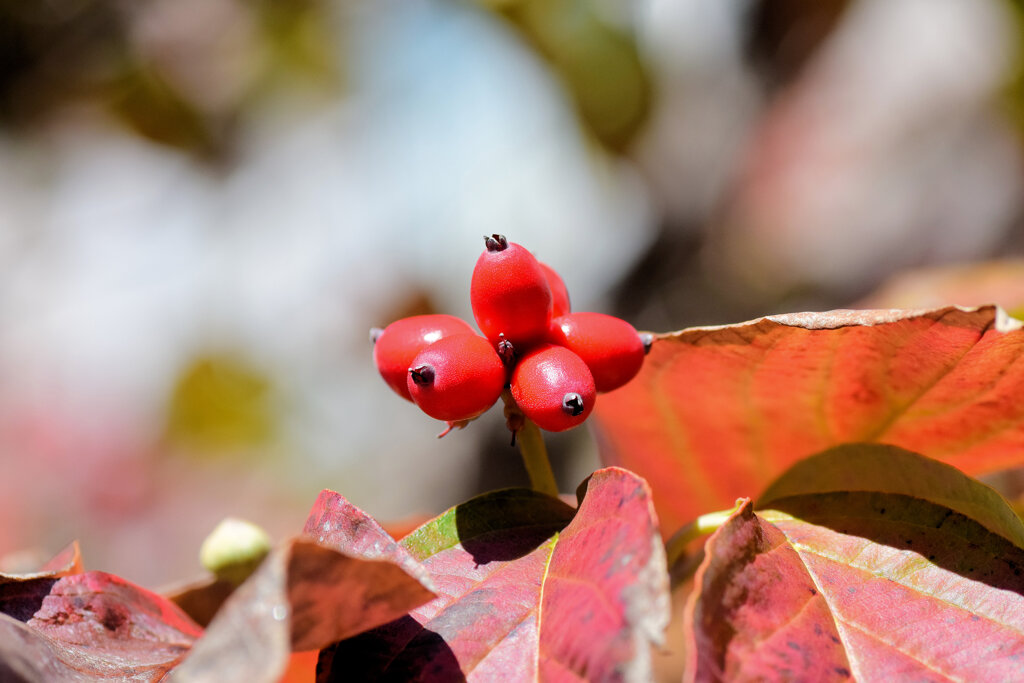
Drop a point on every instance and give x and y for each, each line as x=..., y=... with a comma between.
x=206, y=204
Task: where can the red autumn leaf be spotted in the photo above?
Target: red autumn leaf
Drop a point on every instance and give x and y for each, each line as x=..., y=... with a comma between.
x=94, y=626
x=873, y=583
x=718, y=413
x=336, y=523
x=307, y=595
x=528, y=591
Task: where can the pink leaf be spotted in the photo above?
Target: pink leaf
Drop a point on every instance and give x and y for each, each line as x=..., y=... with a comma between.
x=527, y=591
x=871, y=581
x=95, y=626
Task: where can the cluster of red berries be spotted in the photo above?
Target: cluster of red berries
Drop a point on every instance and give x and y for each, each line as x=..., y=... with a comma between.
x=553, y=361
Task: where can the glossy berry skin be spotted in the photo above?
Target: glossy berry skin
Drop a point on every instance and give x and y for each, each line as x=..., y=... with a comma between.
x=559, y=294
x=397, y=345
x=553, y=387
x=610, y=346
x=456, y=378
x=510, y=294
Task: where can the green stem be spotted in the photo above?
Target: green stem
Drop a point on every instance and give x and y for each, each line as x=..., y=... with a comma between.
x=531, y=447
x=675, y=548
x=535, y=457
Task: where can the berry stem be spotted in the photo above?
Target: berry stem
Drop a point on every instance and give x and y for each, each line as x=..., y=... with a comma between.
x=531, y=446
x=535, y=457
x=680, y=563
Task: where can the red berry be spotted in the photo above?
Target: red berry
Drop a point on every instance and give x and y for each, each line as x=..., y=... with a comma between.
x=553, y=387
x=510, y=294
x=456, y=378
x=397, y=344
x=559, y=294
x=611, y=347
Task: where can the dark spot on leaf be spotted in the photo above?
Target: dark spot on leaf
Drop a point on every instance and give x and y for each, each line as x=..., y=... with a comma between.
x=909, y=542
x=813, y=592
x=842, y=671
x=975, y=617
x=931, y=558
x=851, y=590
x=834, y=638
x=113, y=619
x=793, y=645
x=882, y=511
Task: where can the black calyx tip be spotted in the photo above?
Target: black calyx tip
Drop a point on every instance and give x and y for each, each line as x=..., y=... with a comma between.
x=572, y=404
x=648, y=340
x=506, y=351
x=495, y=242
x=375, y=333
x=422, y=375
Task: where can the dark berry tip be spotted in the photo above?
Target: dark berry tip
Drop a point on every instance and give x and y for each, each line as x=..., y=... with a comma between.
x=572, y=404
x=422, y=375
x=506, y=351
x=648, y=340
x=495, y=242
x=375, y=333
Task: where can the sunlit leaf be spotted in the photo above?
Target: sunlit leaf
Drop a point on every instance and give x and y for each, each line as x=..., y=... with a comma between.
x=718, y=413
x=873, y=583
x=527, y=591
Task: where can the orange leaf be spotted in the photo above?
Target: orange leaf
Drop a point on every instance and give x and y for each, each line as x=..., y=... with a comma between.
x=718, y=413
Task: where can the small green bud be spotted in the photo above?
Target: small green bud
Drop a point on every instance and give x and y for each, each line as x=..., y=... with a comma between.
x=234, y=550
